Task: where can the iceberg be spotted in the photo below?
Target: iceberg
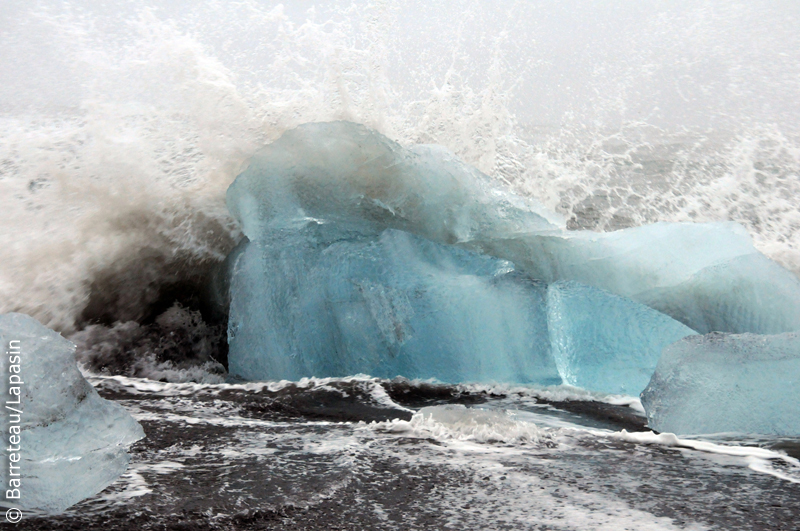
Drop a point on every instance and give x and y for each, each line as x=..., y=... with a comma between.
x=708, y=276
x=744, y=383
x=397, y=304
x=364, y=256
x=604, y=342
x=72, y=442
x=386, y=305
x=344, y=173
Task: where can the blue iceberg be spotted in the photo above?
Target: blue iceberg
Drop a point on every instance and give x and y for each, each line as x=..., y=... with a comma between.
x=706, y=275
x=72, y=441
x=744, y=383
x=344, y=173
x=366, y=256
x=386, y=305
x=397, y=304
x=604, y=342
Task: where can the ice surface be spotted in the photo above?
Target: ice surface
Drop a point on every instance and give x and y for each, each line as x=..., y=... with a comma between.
x=604, y=342
x=397, y=304
x=749, y=293
x=706, y=275
x=716, y=383
x=344, y=173
x=72, y=441
x=368, y=257
x=386, y=305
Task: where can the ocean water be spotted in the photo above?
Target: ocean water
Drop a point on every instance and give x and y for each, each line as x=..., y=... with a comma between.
x=122, y=124
x=363, y=453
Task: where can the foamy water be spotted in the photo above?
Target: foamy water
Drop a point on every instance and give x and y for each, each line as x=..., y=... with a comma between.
x=509, y=461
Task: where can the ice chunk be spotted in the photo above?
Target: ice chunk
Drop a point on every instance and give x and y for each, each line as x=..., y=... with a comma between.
x=332, y=281
x=386, y=305
x=749, y=293
x=716, y=383
x=604, y=342
x=706, y=275
x=356, y=181
x=344, y=173
x=396, y=304
x=72, y=441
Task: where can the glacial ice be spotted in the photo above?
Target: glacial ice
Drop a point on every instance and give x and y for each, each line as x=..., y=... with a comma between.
x=397, y=304
x=604, y=342
x=744, y=383
x=72, y=441
x=344, y=173
x=385, y=305
x=706, y=275
x=368, y=257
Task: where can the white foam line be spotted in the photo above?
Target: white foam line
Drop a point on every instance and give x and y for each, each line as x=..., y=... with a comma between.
x=162, y=467
x=135, y=486
x=381, y=397
x=763, y=466
x=631, y=401
x=670, y=439
x=556, y=393
x=153, y=386
x=757, y=458
x=231, y=421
